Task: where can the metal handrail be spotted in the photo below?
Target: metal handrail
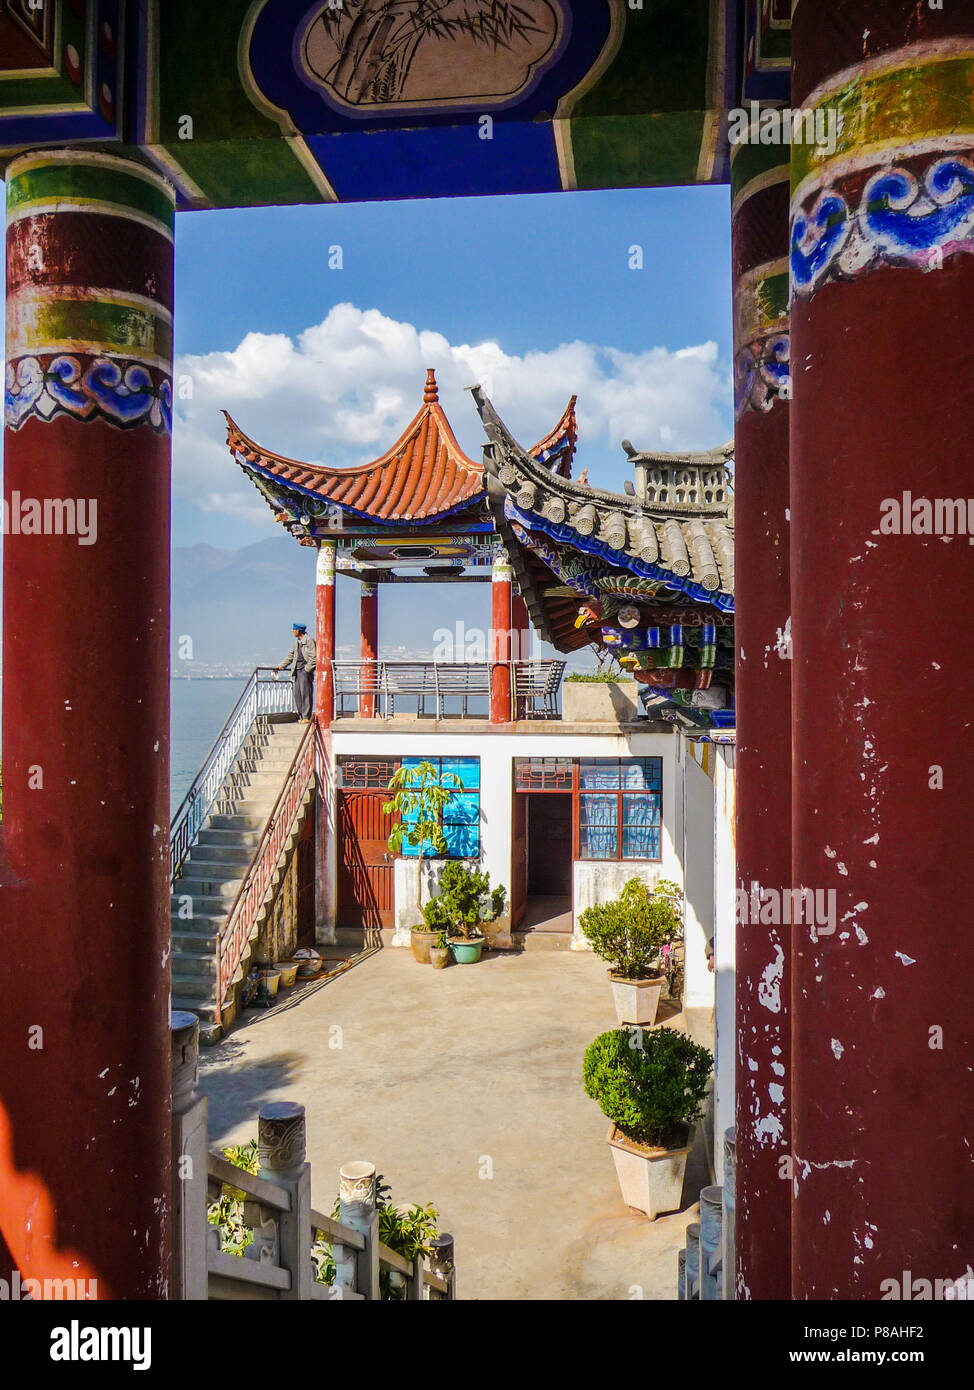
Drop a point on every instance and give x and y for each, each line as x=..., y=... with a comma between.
x=196, y=804
x=525, y=682
x=236, y=929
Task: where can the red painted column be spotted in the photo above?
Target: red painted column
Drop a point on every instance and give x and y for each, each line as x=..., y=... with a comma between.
x=325, y=829
x=521, y=627
x=883, y=358
x=370, y=644
x=84, y=857
x=325, y=633
x=520, y=638
x=763, y=693
x=500, y=624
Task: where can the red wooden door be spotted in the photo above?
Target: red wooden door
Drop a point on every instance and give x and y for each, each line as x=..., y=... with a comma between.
x=365, y=867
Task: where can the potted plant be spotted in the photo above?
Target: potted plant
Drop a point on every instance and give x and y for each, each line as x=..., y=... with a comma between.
x=419, y=795
x=469, y=905
x=634, y=934
x=439, y=952
x=649, y=1084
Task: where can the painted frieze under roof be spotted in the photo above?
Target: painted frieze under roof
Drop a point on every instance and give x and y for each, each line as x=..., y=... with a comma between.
x=253, y=102
x=647, y=575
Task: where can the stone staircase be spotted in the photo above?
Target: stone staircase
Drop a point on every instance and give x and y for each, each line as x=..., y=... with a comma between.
x=218, y=863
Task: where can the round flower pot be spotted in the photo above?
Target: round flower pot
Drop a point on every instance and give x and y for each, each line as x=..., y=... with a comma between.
x=421, y=940
x=271, y=979
x=636, y=1001
x=467, y=952
x=289, y=973
x=439, y=955
x=308, y=962
x=651, y=1180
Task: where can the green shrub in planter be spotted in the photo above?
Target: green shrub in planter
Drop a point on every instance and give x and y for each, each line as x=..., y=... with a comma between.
x=649, y=1083
x=465, y=901
x=634, y=932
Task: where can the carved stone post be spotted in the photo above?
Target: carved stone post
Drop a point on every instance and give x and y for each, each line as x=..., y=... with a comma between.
x=443, y=1263
x=729, y=1285
x=281, y=1145
x=189, y=1142
x=359, y=1270
x=692, y=1276
x=711, y=1219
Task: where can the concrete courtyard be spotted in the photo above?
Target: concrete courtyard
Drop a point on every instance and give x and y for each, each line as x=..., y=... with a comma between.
x=464, y=1087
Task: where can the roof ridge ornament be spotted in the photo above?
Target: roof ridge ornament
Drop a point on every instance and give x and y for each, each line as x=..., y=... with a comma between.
x=431, y=393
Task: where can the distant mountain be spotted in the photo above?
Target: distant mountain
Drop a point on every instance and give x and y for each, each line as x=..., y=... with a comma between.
x=237, y=606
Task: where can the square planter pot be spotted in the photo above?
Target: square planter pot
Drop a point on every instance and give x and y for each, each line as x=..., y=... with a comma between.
x=599, y=702
x=636, y=1001
x=651, y=1180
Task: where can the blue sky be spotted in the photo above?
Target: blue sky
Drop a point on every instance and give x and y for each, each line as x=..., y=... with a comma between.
x=327, y=365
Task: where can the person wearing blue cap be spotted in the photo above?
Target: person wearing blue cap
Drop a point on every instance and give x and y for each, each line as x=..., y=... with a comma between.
x=301, y=661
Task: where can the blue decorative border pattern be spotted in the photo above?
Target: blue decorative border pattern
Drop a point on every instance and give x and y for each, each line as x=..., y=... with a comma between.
x=902, y=218
x=125, y=393
x=762, y=373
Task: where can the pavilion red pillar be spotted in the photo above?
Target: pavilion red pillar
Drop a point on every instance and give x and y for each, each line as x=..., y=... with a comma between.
x=370, y=643
x=521, y=627
x=882, y=356
x=500, y=623
x=325, y=633
x=84, y=856
x=763, y=696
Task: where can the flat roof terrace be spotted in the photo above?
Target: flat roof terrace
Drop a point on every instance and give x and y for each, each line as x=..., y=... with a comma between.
x=464, y=1087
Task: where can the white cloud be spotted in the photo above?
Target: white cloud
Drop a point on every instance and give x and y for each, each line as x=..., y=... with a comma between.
x=343, y=391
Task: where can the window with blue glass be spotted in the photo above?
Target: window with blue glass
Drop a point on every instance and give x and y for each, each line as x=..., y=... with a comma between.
x=461, y=814
x=620, y=808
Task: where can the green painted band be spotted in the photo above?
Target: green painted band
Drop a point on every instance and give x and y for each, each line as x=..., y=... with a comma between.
x=108, y=327
x=750, y=162
x=891, y=110
x=82, y=182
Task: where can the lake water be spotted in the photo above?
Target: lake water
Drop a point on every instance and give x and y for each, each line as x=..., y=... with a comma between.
x=199, y=711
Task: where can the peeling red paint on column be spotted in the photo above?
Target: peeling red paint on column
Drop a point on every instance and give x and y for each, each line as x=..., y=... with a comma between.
x=882, y=673
x=763, y=697
x=84, y=897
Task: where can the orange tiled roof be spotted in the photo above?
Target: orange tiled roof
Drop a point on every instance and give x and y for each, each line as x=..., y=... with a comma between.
x=562, y=440
x=424, y=475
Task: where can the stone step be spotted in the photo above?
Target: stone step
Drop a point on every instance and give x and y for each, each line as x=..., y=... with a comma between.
x=231, y=838
x=209, y=912
x=188, y=943
x=201, y=967
x=541, y=940
x=221, y=854
x=186, y=986
x=206, y=884
x=237, y=820
x=251, y=784
x=277, y=763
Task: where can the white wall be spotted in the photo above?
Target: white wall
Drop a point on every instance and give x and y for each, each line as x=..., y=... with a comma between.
x=600, y=880
x=592, y=881
x=698, y=801
x=725, y=881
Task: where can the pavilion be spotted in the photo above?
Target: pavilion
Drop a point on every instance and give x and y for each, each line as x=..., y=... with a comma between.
x=645, y=578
